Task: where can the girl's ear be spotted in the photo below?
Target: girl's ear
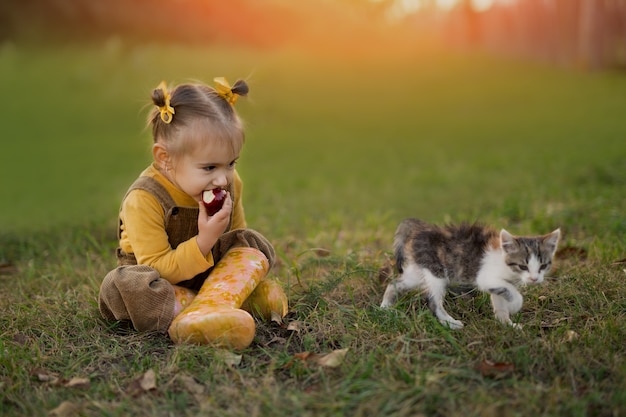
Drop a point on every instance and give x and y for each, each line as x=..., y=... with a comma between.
x=161, y=156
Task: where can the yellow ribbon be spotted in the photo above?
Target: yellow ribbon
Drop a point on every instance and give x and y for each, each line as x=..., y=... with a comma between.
x=167, y=111
x=224, y=90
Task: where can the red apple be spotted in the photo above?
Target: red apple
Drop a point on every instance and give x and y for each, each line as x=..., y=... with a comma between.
x=213, y=200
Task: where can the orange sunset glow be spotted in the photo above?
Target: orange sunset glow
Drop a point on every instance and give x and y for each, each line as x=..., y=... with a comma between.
x=580, y=33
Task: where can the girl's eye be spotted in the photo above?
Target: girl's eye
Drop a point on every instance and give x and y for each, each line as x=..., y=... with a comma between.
x=209, y=168
x=232, y=164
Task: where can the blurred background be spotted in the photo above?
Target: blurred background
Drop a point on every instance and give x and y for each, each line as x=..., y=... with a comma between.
x=583, y=33
x=361, y=111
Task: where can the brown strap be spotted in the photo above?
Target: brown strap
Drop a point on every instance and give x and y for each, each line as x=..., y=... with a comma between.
x=153, y=187
x=163, y=197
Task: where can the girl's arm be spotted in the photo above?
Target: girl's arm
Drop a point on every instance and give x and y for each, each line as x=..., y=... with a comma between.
x=144, y=235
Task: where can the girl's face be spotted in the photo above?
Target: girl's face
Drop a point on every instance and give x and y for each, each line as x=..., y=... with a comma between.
x=211, y=165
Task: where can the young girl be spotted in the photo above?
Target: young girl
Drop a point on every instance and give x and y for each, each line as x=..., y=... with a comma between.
x=180, y=270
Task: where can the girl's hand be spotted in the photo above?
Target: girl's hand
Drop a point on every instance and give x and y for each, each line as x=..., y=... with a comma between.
x=210, y=228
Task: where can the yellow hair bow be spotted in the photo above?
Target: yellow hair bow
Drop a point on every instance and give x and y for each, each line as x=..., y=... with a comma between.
x=224, y=90
x=167, y=111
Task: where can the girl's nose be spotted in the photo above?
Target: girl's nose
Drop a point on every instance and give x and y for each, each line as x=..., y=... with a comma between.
x=221, y=181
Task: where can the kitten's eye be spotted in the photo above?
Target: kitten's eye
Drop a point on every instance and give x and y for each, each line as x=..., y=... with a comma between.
x=522, y=267
x=544, y=266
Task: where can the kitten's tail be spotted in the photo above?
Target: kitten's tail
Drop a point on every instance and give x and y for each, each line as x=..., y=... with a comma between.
x=402, y=236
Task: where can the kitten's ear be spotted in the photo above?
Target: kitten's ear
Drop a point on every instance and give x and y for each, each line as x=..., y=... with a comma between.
x=552, y=240
x=507, y=241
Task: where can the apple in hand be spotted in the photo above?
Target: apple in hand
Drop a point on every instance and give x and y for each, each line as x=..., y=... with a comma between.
x=213, y=200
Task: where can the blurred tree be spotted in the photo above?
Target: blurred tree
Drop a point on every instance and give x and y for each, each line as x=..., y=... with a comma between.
x=472, y=23
x=586, y=33
x=589, y=34
x=591, y=41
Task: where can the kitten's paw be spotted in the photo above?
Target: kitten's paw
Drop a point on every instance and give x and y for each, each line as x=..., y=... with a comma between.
x=506, y=320
x=386, y=304
x=452, y=324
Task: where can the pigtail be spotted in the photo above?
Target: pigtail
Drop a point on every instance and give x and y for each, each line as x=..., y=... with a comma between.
x=228, y=93
x=158, y=97
x=161, y=98
x=240, y=88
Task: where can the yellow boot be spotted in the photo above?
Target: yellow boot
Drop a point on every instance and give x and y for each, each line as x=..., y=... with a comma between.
x=214, y=316
x=183, y=297
x=267, y=298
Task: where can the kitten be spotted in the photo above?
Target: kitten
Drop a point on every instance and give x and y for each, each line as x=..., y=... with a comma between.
x=430, y=257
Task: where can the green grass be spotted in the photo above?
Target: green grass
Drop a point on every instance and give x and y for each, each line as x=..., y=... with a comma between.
x=338, y=151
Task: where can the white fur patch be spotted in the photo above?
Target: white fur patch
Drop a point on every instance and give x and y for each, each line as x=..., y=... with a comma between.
x=493, y=271
x=533, y=276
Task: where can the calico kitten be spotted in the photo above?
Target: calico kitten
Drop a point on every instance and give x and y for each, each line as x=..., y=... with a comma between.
x=430, y=257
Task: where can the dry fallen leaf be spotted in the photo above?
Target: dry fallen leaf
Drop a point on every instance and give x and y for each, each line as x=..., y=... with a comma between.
x=296, y=326
x=276, y=318
x=488, y=368
x=333, y=359
x=65, y=409
x=303, y=356
x=228, y=357
x=44, y=376
x=329, y=360
x=277, y=339
x=191, y=384
x=322, y=253
x=77, y=383
x=53, y=379
x=142, y=384
x=148, y=381
x=20, y=338
x=7, y=268
x=556, y=322
x=300, y=356
x=571, y=335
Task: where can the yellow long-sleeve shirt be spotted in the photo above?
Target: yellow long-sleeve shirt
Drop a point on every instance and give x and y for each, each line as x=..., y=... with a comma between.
x=143, y=230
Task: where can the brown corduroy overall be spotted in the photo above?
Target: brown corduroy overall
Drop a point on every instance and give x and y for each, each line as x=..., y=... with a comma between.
x=137, y=293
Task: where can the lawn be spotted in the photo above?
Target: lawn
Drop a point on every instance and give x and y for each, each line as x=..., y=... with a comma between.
x=339, y=149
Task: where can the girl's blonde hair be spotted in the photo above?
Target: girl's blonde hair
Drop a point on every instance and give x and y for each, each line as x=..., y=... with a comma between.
x=197, y=113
